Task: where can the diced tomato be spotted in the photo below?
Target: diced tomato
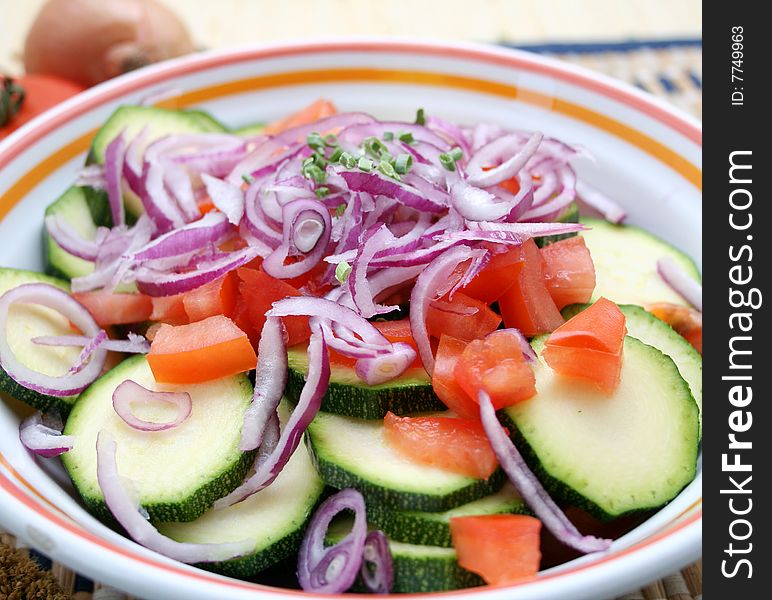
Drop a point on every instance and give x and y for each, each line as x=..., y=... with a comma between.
x=259, y=291
x=201, y=351
x=169, y=309
x=685, y=320
x=215, y=298
x=569, y=271
x=110, y=308
x=497, y=366
x=310, y=280
x=394, y=331
x=589, y=345
x=502, y=549
x=450, y=317
x=497, y=276
x=527, y=304
x=457, y=445
x=444, y=380
x=319, y=109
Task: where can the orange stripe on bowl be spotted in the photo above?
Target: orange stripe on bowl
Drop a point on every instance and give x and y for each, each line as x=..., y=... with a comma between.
x=4, y=462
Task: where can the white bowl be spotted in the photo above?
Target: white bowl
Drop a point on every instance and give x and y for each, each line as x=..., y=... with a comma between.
x=648, y=157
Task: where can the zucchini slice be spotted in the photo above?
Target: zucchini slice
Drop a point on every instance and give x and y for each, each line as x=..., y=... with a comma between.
x=433, y=528
x=348, y=395
x=25, y=322
x=275, y=518
x=353, y=453
x=611, y=455
x=84, y=209
x=156, y=123
x=177, y=473
x=417, y=568
x=625, y=260
x=644, y=326
x=250, y=130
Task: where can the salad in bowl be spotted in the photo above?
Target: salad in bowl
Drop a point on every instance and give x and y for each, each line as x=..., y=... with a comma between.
x=365, y=354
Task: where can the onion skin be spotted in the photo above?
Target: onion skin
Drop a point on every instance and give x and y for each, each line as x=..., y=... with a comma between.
x=89, y=41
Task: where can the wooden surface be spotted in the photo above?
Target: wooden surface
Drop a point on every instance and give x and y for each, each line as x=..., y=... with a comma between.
x=236, y=22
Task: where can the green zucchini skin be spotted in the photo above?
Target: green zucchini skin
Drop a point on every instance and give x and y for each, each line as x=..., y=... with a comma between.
x=11, y=278
x=250, y=130
x=348, y=396
x=332, y=441
x=190, y=494
x=639, y=496
x=570, y=215
x=433, y=528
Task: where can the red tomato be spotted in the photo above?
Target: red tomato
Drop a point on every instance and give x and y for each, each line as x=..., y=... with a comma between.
x=319, y=109
x=41, y=92
x=502, y=549
x=589, y=345
x=527, y=304
x=447, y=317
x=215, y=298
x=457, y=445
x=497, y=366
x=169, y=309
x=496, y=278
x=569, y=271
x=258, y=292
x=444, y=380
x=201, y=351
x=110, y=308
x=686, y=321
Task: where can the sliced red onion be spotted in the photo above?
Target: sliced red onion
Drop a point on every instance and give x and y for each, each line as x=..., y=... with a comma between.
x=130, y=392
x=454, y=309
x=127, y=512
x=270, y=380
x=317, y=382
x=476, y=204
x=552, y=208
x=178, y=182
x=114, y=158
x=452, y=132
x=42, y=439
x=512, y=234
x=211, y=228
x=89, y=349
x=69, y=239
x=256, y=220
x=60, y=301
x=380, y=185
x=353, y=136
x=437, y=274
x=507, y=147
x=157, y=202
x=610, y=209
x=530, y=488
x=307, y=228
x=321, y=308
x=678, y=279
x=385, y=367
x=134, y=344
x=158, y=283
x=92, y=176
x=333, y=569
x=377, y=570
x=361, y=293
x=522, y=341
x=271, y=437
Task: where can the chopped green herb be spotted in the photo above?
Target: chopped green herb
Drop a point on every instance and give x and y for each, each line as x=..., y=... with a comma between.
x=248, y=178
x=347, y=160
x=315, y=173
x=402, y=163
x=365, y=164
x=336, y=154
x=406, y=137
x=331, y=139
x=340, y=209
x=342, y=271
x=420, y=117
x=322, y=191
x=375, y=147
x=447, y=161
x=456, y=154
x=320, y=160
x=315, y=141
x=388, y=136
x=387, y=169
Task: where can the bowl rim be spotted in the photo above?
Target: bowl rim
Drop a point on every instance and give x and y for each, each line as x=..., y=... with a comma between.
x=683, y=538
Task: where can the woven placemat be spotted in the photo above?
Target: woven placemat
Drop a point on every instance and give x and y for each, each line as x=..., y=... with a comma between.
x=670, y=69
